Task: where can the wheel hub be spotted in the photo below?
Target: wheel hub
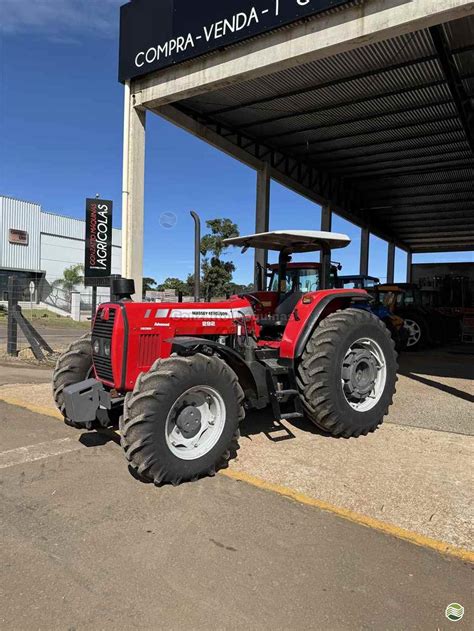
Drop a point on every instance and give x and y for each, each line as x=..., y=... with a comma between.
x=359, y=373
x=189, y=421
x=195, y=422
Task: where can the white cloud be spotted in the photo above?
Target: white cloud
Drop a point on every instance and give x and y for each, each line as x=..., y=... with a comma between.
x=60, y=19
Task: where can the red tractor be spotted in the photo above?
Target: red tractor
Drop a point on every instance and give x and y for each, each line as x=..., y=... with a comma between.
x=181, y=375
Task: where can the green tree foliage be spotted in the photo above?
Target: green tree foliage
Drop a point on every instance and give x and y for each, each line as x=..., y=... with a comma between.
x=217, y=273
x=149, y=284
x=173, y=283
x=241, y=289
x=71, y=278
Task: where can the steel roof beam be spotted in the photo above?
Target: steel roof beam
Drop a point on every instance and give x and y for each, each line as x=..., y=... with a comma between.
x=420, y=224
x=447, y=248
x=437, y=238
x=460, y=97
x=424, y=170
x=329, y=84
x=322, y=86
x=371, y=132
x=410, y=186
x=409, y=200
x=379, y=143
x=443, y=231
x=422, y=207
x=363, y=168
x=451, y=149
x=392, y=163
x=425, y=214
x=359, y=101
x=362, y=119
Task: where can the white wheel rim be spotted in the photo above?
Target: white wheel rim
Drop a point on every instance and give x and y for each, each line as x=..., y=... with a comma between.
x=212, y=414
x=370, y=370
x=414, y=332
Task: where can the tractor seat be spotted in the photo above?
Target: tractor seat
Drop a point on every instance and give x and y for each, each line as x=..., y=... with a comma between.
x=282, y=312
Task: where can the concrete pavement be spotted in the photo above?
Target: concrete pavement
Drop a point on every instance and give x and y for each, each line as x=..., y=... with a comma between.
x=414, y=473
x=89, y=547
x=13, y=371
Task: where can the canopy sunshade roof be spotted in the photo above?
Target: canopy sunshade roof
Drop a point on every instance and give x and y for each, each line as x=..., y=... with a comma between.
x=385, y=132
x=292, y=240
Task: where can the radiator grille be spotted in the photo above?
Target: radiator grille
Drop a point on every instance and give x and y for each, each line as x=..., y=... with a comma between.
x=148, y=349
x=103, y=330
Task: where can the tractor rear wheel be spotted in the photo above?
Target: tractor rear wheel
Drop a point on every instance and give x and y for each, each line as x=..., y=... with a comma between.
x=418, y=331
x=181, y=420
x=347, y=373
x=73, y=366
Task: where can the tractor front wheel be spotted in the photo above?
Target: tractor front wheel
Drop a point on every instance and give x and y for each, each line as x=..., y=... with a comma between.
x=181, y=421
x=347, y=373
x=73, y=366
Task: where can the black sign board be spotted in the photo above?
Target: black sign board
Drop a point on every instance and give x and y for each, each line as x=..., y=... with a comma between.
x=155, y=34
x=98, y=258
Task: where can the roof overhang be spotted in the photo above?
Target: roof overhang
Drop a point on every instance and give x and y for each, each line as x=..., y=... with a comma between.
x=369, y=109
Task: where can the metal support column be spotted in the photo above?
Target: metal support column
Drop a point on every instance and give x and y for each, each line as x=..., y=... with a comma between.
x=133, y=192
x=409, y=264
x=325, y=259
x=391, y=263
x=262, y=222
x=364, y=251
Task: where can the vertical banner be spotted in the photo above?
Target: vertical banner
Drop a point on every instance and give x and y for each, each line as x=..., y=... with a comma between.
x=98, y=257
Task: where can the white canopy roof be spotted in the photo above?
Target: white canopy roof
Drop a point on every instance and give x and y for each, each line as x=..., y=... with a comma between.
x=292, y=240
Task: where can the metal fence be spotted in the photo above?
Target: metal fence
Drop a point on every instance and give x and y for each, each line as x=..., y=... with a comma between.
x=41, y=318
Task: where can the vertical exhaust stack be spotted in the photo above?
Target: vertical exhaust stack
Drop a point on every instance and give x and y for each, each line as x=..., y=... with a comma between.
x=122, y=289
x=197, y=256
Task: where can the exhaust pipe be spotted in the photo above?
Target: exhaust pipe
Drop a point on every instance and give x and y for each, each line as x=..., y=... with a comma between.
x=197, y=256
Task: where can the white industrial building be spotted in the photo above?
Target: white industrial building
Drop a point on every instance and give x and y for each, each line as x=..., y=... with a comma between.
x=38, y=245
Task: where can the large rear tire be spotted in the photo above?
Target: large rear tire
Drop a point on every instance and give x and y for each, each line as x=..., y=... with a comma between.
x=181, y=421
x=347, y=373
x=73, y=366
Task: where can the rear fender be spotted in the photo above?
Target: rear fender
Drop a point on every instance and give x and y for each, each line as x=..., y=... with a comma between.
x=305, y=317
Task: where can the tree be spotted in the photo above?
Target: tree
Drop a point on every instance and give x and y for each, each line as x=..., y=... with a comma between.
x=173, y=283
x=149, y=284
x=241, y=289
x=216, y=273
x=72, y=276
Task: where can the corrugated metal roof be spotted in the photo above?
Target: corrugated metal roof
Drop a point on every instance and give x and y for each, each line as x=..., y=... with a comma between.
x=391, y=108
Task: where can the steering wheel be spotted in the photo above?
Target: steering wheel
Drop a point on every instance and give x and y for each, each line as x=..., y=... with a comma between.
x=253, y=300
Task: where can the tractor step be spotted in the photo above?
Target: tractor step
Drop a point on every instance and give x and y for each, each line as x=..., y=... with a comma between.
x=283, y=393
x=276, y=374
x=290, y=415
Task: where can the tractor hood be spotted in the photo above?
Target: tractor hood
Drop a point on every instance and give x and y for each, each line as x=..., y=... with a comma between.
x=127, y=337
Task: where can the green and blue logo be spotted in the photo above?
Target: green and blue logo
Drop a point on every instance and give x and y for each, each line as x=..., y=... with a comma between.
x=454, y=612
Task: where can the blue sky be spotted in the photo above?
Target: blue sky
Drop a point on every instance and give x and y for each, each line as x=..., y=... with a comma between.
x=61, y=112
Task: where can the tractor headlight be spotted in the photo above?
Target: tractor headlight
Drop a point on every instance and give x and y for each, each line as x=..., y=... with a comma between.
x=96, y=347
x=107, y=348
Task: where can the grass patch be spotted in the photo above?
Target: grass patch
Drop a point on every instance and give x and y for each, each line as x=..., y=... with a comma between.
x=43, y=317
